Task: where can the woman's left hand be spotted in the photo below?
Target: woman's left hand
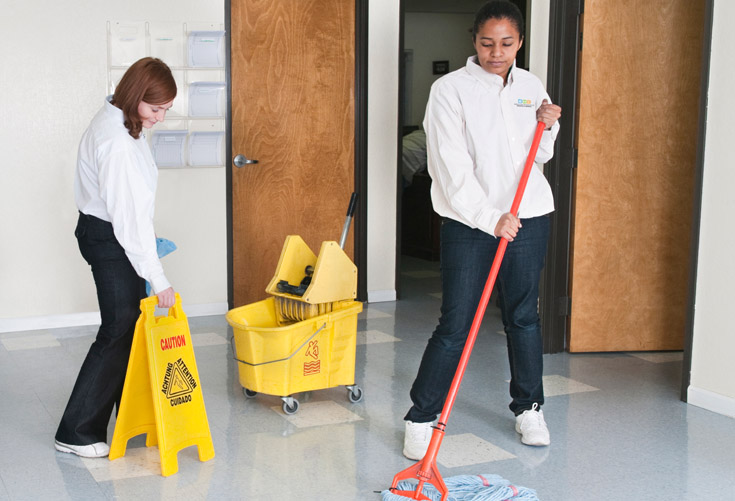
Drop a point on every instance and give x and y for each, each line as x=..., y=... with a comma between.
x=166, y=298
x=508, y=227
x=548, y=113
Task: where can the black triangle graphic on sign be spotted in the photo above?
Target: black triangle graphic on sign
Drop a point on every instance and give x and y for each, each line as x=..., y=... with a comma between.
x=179, y=385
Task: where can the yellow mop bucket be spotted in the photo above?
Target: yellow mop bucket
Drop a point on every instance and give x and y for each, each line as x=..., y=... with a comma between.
x=312, y=354
x=302, y=338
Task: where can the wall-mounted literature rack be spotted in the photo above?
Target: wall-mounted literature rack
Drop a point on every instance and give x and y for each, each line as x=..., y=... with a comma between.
x=193, y=133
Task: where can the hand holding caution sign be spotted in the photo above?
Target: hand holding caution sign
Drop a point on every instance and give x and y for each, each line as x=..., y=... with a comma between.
x=162, y=396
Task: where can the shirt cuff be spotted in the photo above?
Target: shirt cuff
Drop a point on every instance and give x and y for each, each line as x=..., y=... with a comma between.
x=488, y=220
x=159, y=283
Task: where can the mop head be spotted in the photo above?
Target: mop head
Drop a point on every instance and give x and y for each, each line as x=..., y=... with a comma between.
x=484, y=487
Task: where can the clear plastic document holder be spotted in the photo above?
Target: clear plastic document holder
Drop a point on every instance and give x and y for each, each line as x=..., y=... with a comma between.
x=207, y=99
x=168, y=148
x=206, y=49
x=205, y=148
x=167, y=43
x=126, y=43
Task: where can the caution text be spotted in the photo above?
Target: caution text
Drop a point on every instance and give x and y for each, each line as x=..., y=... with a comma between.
x=168, y=343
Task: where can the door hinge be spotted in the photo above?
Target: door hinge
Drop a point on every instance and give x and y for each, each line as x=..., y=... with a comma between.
x=564, y=306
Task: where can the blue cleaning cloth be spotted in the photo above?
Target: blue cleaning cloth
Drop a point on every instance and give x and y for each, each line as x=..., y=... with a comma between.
x=163, y=248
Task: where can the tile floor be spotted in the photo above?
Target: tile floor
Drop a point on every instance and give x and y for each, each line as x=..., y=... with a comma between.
x=618, y=428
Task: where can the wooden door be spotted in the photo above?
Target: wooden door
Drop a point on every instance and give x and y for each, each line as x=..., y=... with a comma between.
x=293, y=110
x=638, y=109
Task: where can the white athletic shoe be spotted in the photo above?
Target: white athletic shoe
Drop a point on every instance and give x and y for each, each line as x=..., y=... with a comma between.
x=532, y=427
x=98, y=450
x=416, y=441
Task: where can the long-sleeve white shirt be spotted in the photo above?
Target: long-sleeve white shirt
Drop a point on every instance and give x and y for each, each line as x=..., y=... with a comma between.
x=478, y=134
x=116, y=181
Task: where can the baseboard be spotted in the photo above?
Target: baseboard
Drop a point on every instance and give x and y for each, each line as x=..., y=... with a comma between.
x=381, y=296
x=711, y=401
x=205, y=310
x=93, y=318
x=48, y=322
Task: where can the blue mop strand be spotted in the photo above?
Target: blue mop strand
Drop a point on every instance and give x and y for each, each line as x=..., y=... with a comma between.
x=486, y=487
x=163, y=248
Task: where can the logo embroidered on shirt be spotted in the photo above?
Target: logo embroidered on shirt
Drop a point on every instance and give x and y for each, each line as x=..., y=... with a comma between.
x=524, y=103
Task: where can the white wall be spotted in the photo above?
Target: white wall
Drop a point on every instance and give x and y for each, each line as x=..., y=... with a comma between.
x=53, y=80
x=538, y=37
x=713, y=371
x=383, y=36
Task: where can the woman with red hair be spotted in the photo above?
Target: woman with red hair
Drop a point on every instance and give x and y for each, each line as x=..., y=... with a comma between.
x=114, y=189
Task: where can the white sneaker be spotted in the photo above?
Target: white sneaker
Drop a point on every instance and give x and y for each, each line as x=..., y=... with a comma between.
x=417, y=438
x=98, y=450
x=532, y=427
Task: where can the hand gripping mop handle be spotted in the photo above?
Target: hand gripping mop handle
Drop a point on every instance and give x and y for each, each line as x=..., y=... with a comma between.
x=426, y=469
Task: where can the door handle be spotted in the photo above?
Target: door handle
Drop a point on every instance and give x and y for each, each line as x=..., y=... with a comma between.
x=242, y=161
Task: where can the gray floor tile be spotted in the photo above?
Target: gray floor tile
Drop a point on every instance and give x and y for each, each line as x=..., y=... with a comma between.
x=618, y=428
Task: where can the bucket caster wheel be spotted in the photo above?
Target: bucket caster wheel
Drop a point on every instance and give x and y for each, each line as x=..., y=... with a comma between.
x=354, y=393
x=290, y=405
x=249, y=393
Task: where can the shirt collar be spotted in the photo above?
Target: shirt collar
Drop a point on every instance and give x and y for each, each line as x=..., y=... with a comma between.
x=113, y=110
x=478, y=72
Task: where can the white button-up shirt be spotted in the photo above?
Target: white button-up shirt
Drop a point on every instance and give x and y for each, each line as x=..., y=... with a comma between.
x=116, y=181
x=478, y=134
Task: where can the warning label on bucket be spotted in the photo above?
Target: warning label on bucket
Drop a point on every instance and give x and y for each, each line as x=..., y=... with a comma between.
x=178, y=383
x=313, y=350
x=312, y=367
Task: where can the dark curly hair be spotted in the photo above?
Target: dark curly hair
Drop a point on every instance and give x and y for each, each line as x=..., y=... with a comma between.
x=499, y=9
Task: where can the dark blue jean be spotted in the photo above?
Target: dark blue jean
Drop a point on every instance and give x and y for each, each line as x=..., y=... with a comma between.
x=466, y=257
x=100, y=381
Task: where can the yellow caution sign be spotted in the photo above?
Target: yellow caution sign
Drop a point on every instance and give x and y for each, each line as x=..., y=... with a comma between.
x=162, y=396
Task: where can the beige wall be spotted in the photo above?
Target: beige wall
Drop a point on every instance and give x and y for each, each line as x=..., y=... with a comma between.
x=713, y=370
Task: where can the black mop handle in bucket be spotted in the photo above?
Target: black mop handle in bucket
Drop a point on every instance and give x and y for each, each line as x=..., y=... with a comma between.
x=348, y=220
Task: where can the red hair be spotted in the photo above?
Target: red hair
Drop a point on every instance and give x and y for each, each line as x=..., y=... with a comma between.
x=148, y=80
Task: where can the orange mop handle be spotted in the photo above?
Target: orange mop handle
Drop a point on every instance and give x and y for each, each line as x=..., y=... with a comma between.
x=527, y=168
x=490, y=283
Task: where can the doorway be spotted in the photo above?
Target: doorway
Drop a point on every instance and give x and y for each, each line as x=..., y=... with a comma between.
x=425, y=58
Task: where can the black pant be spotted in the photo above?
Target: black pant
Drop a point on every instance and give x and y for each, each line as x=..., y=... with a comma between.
x=466, y=257
x=100, y=381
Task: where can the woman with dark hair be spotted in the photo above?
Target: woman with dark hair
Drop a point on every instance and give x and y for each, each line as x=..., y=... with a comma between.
x=114, y=189
x=479, y=123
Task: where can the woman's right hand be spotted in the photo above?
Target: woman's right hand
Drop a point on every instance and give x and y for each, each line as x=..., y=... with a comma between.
x=548, y=113
x=166, y=298
x=507, y=227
